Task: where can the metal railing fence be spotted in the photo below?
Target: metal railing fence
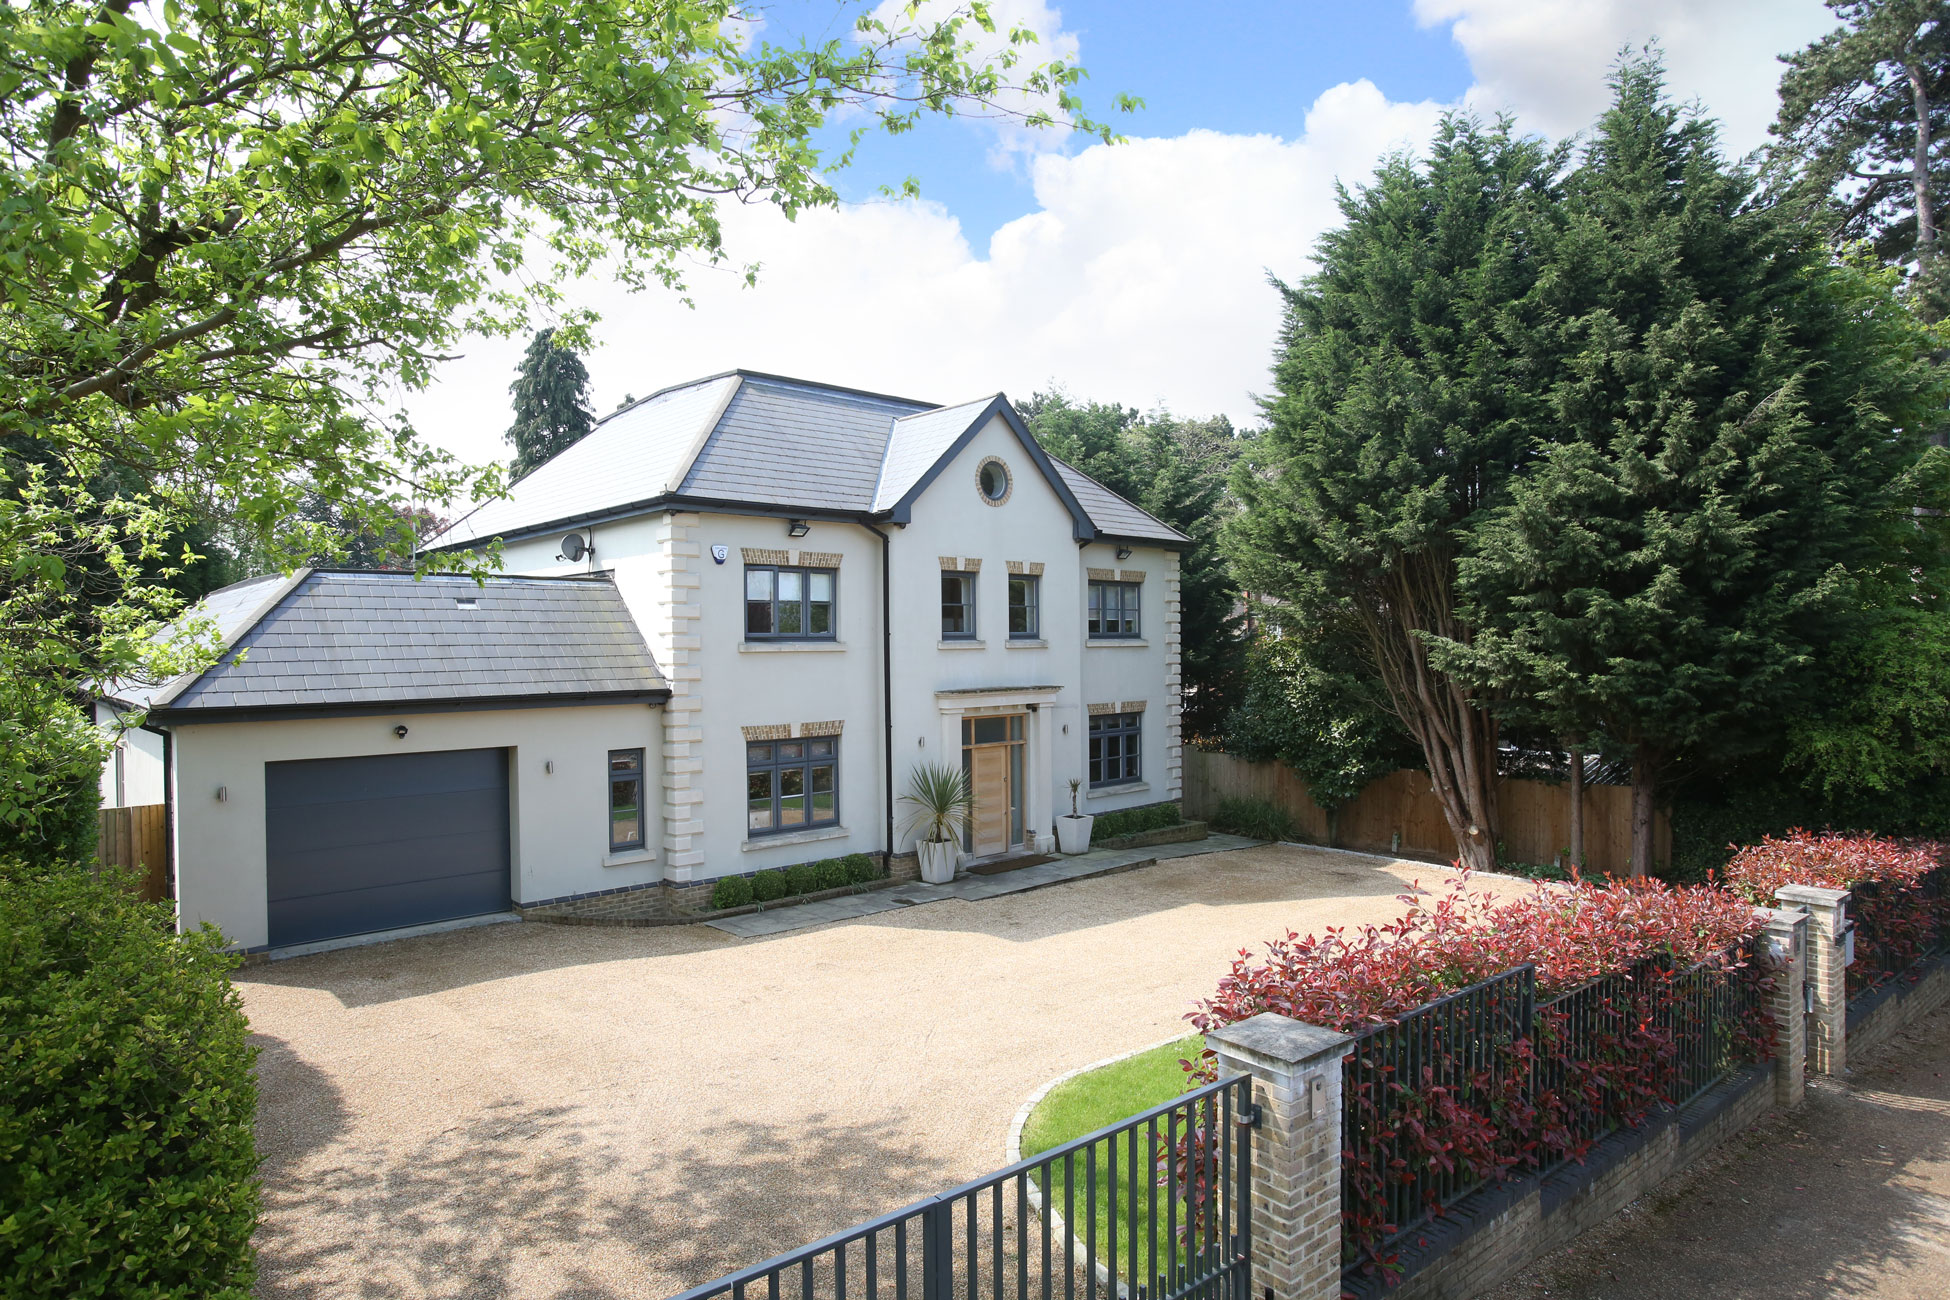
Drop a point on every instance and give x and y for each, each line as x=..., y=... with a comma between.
x=1154, y=1207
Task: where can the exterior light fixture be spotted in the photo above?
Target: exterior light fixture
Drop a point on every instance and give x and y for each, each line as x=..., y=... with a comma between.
x=400, y=731
x=1123, y=552
x=797, y=528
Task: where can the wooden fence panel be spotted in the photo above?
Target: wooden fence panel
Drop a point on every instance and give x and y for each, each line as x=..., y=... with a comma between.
x=138, y=838
x=1400, y=814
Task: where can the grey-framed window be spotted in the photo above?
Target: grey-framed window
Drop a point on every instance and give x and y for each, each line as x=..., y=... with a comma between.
x=788, y=604
x=791, y=785
x=957, y=606
x=625, y=799
x=1025, y=606
x=1114, y=608
x=1115, y=742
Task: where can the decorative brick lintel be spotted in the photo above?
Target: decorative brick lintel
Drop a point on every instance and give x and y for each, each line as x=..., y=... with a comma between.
x=1034, y=568
x=820, y=728
x=1098, y=710
x=819, y=559
x=771, y=731
x=766, y=555
x=1102, y=575
x=1131, y=706
x=1130, y=575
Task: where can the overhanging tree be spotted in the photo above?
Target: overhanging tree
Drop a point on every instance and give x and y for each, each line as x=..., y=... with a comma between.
x=1736, y=422
x=551, y=393
x=1405, y=401
x=231, y=230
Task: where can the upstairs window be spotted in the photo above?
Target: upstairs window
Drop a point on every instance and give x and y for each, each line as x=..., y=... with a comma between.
x=791, y=785
x=957, y=606
x=1025, y=607
x=784, y=604
x=625, y=799
x=1114, y=609
x=1115, y=740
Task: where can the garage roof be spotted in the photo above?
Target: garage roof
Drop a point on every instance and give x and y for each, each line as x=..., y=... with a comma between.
x=356, y=641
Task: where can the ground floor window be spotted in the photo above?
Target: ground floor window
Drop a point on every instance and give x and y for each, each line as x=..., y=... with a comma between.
x=625, y=799
x=1114, y=748
x=791, y=785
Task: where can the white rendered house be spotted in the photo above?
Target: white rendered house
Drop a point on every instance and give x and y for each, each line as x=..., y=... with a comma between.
x=738, y=614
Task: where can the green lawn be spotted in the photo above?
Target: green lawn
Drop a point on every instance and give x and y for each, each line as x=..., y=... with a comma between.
x=1089, y=1102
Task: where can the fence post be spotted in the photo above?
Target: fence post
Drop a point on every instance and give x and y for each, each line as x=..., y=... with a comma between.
x=1827, y=911
x=1296, y=1150
x=1787, y=942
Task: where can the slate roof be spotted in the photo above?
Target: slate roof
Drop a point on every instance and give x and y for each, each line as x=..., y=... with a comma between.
x=752, y=439
x=230, y=608
x=348, y=640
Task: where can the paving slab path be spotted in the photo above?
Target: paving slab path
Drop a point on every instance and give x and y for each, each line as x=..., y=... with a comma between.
x=546, y=1111
x=1848, y=1195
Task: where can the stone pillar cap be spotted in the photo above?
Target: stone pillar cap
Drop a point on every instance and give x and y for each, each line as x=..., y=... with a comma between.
x=1784, y=916
x=1818, y=895
x=1282, y=1038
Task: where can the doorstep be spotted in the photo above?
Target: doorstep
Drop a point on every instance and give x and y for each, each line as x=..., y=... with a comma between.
x=970, y=889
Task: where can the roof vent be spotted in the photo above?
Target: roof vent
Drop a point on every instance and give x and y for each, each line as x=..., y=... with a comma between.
x=466, y=602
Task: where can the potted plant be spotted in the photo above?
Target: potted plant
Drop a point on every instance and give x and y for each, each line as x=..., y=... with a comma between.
x=1073, y=830
x=944, y=806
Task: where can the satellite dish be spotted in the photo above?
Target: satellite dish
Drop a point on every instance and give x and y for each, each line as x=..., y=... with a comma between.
x=573, y=547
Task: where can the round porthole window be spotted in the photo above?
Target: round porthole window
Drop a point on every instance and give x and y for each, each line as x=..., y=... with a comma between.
x=992, y=479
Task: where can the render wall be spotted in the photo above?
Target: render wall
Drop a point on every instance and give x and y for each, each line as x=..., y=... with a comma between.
x=558, y=822
x=132, y=776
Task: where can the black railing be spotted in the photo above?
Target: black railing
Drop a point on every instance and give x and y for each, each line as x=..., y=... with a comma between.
x=1154, y=1207
x=1487, y=1082
x=1895, y=928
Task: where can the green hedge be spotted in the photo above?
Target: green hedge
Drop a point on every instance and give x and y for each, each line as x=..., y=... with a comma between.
x=1135, y=821
x=731, y=891
x=1258, y=819
x=772, y=884
x=127, y=1163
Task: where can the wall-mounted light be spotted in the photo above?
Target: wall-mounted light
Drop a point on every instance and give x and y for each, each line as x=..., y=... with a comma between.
x=548, y=766
x=797, y=528
x=223, y=793
x=1123, y=552
x=400, y=731
x=920, y=742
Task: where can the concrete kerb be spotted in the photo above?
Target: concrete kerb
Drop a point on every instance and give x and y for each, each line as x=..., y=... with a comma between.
x=1012, y=1152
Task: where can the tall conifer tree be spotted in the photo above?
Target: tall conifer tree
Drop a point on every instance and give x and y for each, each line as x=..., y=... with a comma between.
x=1407, y=395
x=552, y=412
x=1733, y=419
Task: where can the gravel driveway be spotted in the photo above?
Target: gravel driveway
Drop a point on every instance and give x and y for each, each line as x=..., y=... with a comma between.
x=532, y=1110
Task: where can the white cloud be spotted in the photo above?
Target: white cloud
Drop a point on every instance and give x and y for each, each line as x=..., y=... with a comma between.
x=1140, y=274
x=1546, y=59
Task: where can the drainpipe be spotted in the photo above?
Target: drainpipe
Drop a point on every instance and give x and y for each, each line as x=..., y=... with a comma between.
x=887, y=676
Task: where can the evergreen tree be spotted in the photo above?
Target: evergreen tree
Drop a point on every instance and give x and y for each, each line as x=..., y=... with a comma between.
x=1406, y=399
x=1865, y=122
x=1175, y=469
x=1735, y=419
x=551, y=393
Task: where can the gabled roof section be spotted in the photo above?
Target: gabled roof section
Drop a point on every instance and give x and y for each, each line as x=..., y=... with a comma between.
x=786, y=443
x=348, y=640
x=232, y=609
x=638, y=454
x=931, y=434
x=917, y=444
x=1114, y=517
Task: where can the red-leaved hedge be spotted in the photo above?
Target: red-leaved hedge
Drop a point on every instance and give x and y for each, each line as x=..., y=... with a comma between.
x=1897, y=919
x=1642, y=958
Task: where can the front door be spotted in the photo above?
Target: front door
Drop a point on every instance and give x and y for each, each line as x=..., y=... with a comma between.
x=992, y=755
x=991, y=779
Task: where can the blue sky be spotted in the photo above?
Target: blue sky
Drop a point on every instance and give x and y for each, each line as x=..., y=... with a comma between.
x=1238, y=68
x=1135, y=273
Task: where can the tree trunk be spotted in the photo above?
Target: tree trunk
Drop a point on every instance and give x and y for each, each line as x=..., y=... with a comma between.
x=1577, y=804
x=1919, y=170
x=1457, y=737
x=1646, y=764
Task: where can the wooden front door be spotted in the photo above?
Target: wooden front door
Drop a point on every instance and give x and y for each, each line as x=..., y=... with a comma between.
x=989, y=767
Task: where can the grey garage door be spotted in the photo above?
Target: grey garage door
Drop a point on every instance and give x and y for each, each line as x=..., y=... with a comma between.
x=360, y=844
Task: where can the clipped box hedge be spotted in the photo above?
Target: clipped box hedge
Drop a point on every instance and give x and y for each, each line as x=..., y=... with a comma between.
x=128, y=1166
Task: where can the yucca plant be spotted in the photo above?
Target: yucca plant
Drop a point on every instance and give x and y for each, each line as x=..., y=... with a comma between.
x=943, y=802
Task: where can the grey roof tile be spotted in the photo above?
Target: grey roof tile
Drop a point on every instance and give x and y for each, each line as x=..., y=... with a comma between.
x=343, y=638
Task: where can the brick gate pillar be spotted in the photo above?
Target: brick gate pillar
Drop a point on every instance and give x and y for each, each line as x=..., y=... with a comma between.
x=1787, y=940
x=1296, y=1206
x=1827, y=911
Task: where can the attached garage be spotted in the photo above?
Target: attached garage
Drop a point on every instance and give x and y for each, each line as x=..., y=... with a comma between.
x=354, y=845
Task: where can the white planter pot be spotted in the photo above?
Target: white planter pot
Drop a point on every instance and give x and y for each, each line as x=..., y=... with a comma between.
x=937, y=860
x=1073, y=833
